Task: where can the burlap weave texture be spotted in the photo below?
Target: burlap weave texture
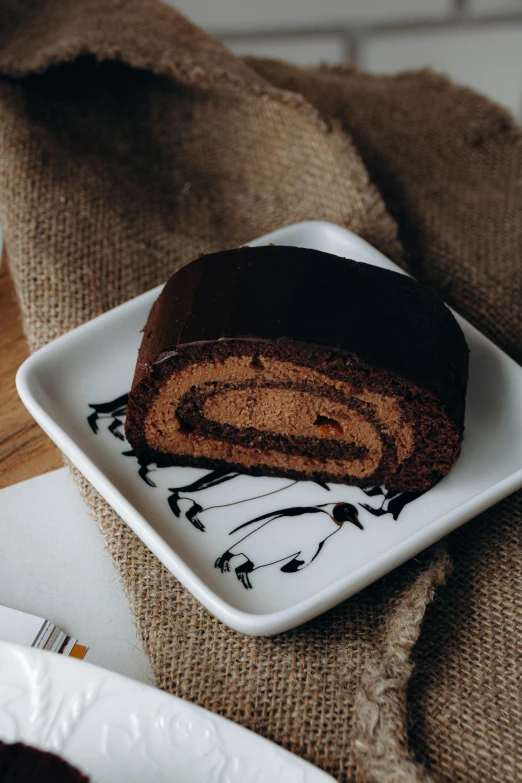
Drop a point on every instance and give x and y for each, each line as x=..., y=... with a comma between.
x=130, y=142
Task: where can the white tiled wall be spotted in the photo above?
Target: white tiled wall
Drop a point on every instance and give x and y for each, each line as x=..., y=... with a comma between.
x=494, y=6
x=490, y=60
x=234, y=15
x=467, y=39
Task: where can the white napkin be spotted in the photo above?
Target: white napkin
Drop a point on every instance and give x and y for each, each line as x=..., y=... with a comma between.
x=53, y=565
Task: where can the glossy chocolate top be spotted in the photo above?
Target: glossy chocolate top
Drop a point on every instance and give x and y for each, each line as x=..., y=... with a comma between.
x=291, y=294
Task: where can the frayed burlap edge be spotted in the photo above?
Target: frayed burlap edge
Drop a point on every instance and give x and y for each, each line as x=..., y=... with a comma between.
x=380, y=702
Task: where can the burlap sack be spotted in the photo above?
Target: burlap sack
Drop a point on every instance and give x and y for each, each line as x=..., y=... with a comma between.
x=129, y=142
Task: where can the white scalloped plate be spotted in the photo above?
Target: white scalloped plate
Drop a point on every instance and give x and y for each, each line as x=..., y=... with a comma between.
x=263, y=576
x=117, y=730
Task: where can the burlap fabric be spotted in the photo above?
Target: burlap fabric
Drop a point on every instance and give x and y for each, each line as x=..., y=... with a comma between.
x=129, y=142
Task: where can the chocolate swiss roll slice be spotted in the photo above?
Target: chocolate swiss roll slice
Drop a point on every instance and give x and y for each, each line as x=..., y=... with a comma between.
x=289, y=362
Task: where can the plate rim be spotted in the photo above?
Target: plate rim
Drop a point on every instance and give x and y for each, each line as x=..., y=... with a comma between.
x=266, y=623
x=86, y=673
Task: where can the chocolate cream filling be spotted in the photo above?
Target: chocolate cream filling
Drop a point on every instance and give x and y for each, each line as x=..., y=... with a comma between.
x=269, y=412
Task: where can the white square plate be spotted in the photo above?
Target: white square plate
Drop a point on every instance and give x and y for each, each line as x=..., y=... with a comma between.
x=191, y=518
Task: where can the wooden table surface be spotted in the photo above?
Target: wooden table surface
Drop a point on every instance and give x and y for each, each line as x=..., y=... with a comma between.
x=25, y=450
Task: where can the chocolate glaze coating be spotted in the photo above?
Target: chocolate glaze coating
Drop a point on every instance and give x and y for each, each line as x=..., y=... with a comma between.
x=300, y=296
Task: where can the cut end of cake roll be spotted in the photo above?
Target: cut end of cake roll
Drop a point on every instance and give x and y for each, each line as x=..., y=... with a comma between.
x=294, y=363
